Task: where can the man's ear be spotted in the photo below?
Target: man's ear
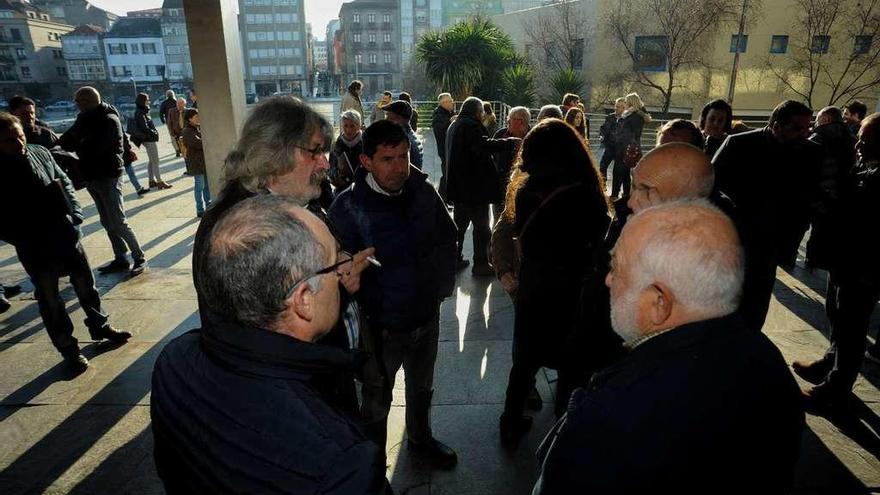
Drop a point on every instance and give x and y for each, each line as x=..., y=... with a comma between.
x=661, y=304
x=302, y=302
x=366, y=162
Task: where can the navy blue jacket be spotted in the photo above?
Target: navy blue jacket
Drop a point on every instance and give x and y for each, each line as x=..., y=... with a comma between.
x=415, y=240
x=237, y=409
x=706, y=407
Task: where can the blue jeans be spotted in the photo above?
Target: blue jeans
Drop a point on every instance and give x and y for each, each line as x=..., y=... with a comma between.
x=107, y=194
x=202, y=193
x=132, y=177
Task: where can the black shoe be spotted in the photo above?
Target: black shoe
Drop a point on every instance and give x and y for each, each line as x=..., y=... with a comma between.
x=110, y=333
x=462, y=264
x=11, y=290
x=437, y=453
x=482, y=270
x=143, y=190
x=177, y=155
x=512, y=429
x=114, y=266
x=138, y=267
x=533, y=401
x=814, y=372
x=75, y=360
x=4, y=304
x=822, y=401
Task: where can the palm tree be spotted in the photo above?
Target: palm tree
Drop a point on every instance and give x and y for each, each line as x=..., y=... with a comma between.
x=518, y=86
x=467, y=59
x=565, y=81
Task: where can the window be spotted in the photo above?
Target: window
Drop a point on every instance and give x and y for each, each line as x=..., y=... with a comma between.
x=135, y=49
x=358, y=58
x=372, y=58
x=20, y=54
x=387, y=38
x=387, y=57
x=148, y=48
x=118, y=70
x=779, y=44
x=252, y=36
x=386, y=18
x=820, y=43
x=283, y=18
x=650, y=53
x=6, y=14
x=61, y=71
x=44, y=17
x=371, y=37
x=863, y=45
x=371, y=17
x=739, y=43
x=15, y=33
x=356, y=37
x=56, y=54
x=577, y=54
x=355, y=17
x=25, y=72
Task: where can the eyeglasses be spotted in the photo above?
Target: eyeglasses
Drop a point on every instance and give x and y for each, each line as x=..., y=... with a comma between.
x=316, y=152
x=344, y=259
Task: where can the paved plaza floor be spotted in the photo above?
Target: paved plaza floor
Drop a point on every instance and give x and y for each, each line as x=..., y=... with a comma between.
x=90, y=434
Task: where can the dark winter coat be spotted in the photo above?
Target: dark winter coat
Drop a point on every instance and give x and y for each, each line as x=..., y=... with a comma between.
x=470, y=171
x=504, y=159
x=629, y=129
x=839, y=156
x=774, y=186
x=704, y=402
x=42, y=135
x=856, y=226
x=549, y=282
x=608, y=131
x=440, y=121
x=46, y=208
x=342, y=170
x=144, y=130
x=167, y=104
x=195, y=153
x=237, y=409
x=711, y=145
x=96, y=137
x=415, y=240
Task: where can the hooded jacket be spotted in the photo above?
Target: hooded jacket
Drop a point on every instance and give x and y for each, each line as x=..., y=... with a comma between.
x=96, y=138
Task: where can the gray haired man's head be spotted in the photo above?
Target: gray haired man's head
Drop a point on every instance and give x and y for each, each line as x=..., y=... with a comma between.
x=674, y=264
x=272, y=134
x=255, y=254
x=471, y=107
x=352, y=116
x=828, y=115
x=549, y=112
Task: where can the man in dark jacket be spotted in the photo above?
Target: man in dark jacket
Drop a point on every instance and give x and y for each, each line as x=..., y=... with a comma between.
x=518, y=124
x=472, y=180
x=772, y=175
x=97, y=138
x=853, y=282
x=36, y=132
x=839, y=156
x=853, y=113
x=400, y=113
x=608, y=136
x=392, y=206
x=47, y=240
x=241, y=405
x=168, y=103
x=440, y=121
x=698, y=398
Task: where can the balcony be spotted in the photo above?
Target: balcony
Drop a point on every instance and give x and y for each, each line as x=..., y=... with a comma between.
x=387, y=45
x=372, y=44
x=371, y=25
x=386, y=26
x=355, y=26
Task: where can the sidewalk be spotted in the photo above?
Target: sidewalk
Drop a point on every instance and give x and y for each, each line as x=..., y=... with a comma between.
x=91, y=434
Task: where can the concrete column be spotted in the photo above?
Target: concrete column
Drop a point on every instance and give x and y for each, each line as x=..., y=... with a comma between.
x=215, y=51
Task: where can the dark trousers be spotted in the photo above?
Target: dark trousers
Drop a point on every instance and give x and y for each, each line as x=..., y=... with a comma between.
x=621, y=179
x=849, y=302
x=44, y=274
x=607, y=157
x=477, y=213
x=416, y=352
x=526, y=364
x=760, y=276
x=107, y=194
x=441, y=187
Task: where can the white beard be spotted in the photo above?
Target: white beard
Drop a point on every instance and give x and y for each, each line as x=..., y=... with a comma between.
x=623, y=316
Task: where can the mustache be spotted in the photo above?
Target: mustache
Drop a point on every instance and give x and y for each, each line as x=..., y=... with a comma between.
x=318, y=177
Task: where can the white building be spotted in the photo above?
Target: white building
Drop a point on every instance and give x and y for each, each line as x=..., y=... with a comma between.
x=320, y=48
x=84, y=54
x=178, y=66
x=134, y=50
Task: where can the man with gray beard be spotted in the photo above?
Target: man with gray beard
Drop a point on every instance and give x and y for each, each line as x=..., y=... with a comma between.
x=698, y=398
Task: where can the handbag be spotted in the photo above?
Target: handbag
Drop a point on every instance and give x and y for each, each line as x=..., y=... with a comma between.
x=631, y=155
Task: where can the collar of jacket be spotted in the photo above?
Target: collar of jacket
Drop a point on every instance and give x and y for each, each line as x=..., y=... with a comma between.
x=361, y=190
x=260, y=352
x=441, y=109
x=652, y=353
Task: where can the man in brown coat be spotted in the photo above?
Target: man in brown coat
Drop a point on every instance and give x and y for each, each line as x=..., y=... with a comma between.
x=175, y=123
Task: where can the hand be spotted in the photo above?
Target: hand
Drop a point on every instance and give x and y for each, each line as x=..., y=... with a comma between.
x=509, y=282
x=351, y=280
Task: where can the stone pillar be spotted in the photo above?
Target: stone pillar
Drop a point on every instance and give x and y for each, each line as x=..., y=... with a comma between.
x=218, y=77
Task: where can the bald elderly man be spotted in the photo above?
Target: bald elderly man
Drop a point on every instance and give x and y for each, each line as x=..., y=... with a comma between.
x=697, y=398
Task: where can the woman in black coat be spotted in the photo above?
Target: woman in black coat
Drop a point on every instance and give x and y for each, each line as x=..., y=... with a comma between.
x=144, y=132
x=629, y=139
x=716, y=121
x=557, y=205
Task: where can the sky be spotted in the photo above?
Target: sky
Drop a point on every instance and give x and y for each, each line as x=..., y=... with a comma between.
x=318, y=12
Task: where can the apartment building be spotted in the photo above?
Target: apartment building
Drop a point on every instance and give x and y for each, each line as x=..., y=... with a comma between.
x=135, y=55
x=371, y=44
x=274, y=46
x=83, y=53
x=178, y=67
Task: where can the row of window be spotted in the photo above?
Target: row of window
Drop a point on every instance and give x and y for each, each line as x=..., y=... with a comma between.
x=820, y=44
x=86, y=70
x=276, y=70
x=266, y=3
x=356, y=17
x=272, y=53
x=174, y=30
x=372, y=58
x=133, y=48
x=177, y=49
x=371, y=37
x=137, y=70
x=280, y=18
x=273, y=35
x=52, y=36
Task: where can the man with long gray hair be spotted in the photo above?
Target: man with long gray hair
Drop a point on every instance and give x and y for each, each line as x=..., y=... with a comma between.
x=698, y=398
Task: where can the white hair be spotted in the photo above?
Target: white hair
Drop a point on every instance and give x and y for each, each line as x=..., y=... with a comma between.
x=620, y=100
x=635, y=101
x=521, y=112
x=352, y=115
x=702, y=267
x=549, y=112
x=443, y=96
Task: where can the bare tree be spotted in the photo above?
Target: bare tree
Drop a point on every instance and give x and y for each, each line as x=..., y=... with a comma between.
x=559, y=36
x=835, y=47
x=662, y=37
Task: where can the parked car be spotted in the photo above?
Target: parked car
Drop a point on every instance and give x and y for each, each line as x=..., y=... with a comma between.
x=62, y=106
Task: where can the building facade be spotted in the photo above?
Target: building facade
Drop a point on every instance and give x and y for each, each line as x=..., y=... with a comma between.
x=320, y=55
x=455, y=11
x=274, y=46
x=84, y=55
x=178, y=67
x=31, y=59
x=135, y=54
x=77, y=13
x=417, y=17
x=371, y=45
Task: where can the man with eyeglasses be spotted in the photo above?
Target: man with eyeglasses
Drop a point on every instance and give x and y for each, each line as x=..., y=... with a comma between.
x=242, y=404
x=283, y=151
x=393, y=207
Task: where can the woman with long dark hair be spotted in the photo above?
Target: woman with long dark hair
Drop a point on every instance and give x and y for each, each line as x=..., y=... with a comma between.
x=557, y=205
x=575, y=118
x=144, y=132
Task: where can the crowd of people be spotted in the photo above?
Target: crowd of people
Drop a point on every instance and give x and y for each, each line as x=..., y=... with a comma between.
x=321, y=268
